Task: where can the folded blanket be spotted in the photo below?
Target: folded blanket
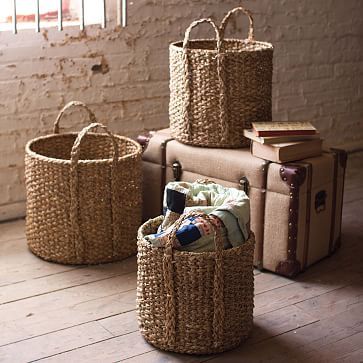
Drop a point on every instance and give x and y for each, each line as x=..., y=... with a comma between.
x=195, y=235
x=228, y=208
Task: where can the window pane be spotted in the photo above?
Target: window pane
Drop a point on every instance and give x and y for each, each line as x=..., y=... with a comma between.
x=49, y=10
x=26, y=10
x=6, y=14
x=93, y=11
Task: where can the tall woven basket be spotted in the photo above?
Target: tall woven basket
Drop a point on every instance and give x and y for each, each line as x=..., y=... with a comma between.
x=83, y=194
x=218, y=87
x=194, y=302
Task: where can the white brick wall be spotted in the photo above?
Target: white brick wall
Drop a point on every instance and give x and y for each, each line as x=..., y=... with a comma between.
x=318, y=73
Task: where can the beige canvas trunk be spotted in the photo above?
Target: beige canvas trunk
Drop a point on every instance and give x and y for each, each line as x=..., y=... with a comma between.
x=296, y=208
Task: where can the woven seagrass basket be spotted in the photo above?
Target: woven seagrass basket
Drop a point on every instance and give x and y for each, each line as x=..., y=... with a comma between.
x=218, y=87
x=194, y=302
x=83, y=195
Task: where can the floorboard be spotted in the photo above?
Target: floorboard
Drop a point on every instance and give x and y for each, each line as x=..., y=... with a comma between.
x=109, y=350
x=12, y=230
x=57, y=313
x=64, y=280
x=53, y=343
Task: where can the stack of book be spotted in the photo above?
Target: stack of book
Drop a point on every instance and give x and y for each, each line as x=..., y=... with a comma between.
x=282, y=142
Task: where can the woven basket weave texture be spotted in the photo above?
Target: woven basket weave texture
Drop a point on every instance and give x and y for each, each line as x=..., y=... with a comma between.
x=218, y=87
x=194, y=302
x=83, y=195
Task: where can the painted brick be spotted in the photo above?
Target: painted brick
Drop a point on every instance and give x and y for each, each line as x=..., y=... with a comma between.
x=284, y=103
x=320, y=71
x=122, y=73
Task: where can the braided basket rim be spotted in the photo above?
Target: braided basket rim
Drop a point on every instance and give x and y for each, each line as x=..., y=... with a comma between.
x=265, y=46
x=225, y=252
x=123, y=139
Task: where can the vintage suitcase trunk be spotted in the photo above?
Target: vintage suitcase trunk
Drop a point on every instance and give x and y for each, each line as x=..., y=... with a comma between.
x=296, y=208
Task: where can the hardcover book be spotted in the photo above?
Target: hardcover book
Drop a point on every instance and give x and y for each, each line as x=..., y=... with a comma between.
x=285, y=152
x=278, y=139
x=283, y=128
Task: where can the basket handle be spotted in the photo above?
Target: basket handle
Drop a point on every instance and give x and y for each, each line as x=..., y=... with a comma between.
x=168, y=272
x=74, y=185
x=187, y=85
x=72, y=104
x=196, y=23
x=226, y=19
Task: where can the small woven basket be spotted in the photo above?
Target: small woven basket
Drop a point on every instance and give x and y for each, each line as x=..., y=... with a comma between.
x=218, y=87
x=194, y=302
x=83, y=195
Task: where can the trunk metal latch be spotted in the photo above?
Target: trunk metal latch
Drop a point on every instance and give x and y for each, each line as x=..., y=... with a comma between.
x=320, y=201
x=177, y=170
x=245, y=184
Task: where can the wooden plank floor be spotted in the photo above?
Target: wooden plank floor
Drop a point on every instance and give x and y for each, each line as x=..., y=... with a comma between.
x=55, y=313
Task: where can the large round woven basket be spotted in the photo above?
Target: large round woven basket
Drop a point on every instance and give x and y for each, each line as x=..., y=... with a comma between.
x=218, y=87
x=194, y=302
x=83, y=195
